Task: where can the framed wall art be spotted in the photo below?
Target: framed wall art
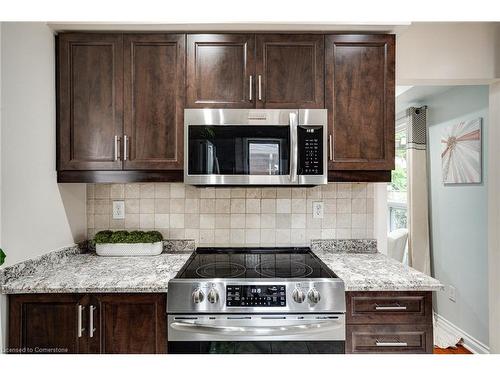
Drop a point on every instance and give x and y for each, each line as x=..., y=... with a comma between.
x=461, y=153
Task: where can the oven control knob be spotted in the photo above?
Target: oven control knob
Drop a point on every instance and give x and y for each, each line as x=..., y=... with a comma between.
x=298, y=295
x=198, y=295
x=213, y=295
x=314, y=295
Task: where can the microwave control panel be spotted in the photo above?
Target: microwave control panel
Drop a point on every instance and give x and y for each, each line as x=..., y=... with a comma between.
x=310, y=150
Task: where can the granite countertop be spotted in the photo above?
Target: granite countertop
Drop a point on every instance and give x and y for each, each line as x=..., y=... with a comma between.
x=90, y=273
x=71, y=271
x=362, y=268
x=356, y=262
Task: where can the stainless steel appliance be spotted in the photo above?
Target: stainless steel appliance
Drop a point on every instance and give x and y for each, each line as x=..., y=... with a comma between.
x=255, y=146
x=259, y=300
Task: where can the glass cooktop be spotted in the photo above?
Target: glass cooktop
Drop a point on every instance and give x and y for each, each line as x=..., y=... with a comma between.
x=209, y=263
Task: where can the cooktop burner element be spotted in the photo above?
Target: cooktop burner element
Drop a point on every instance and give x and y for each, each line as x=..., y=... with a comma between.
x=220, y=269
x=283, y=269
x=243, y=263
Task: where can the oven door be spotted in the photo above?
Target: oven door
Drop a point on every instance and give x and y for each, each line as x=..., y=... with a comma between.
x=256, y=334
x=240, y=147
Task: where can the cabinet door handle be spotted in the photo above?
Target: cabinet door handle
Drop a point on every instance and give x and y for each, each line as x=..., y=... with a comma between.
x=91, y=321
x=259, y=80
x=117, y=148
x=125, y=142
x=395, y=343
x=80, y=328
x=330, y=146
x=250, y=94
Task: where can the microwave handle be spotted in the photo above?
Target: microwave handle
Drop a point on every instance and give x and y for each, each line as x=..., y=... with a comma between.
x=293, y=147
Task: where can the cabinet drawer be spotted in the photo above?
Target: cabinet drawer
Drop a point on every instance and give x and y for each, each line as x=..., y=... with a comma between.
x=389, y=307
x=405, y=339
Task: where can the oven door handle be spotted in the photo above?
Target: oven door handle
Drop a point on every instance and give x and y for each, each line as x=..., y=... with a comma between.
x=257, y=331
x=293, y=147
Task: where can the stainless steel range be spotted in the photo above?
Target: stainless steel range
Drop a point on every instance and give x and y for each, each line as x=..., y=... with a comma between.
x=259, y=300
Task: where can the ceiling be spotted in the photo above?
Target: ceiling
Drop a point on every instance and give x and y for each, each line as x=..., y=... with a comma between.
x=407, y=96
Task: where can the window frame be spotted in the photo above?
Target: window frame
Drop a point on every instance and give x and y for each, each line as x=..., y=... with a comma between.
x=401, y=125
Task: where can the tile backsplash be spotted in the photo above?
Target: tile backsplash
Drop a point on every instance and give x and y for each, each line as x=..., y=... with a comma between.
x=235, y=216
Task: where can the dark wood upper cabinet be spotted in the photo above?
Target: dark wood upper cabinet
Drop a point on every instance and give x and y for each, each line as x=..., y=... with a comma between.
x=154, y=101
x=90, y=100
x=121, y=97
x=219, y=70
x=46, y=322
x=360, y=100
x=255, y=71
x=291, y=71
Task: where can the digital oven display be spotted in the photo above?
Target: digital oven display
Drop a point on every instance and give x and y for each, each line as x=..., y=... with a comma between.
x=256, y=295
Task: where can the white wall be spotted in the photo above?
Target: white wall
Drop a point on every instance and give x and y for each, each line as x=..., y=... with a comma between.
x=37, y=215
x=494, y=217
x=34, y=217
x=459, y=216
x=435, y=53
x=3, y=299
x=380, y=216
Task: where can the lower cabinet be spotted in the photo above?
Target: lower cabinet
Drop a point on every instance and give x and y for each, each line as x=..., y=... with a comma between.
x=389, y=322
x=91, y=323
x=376, y=322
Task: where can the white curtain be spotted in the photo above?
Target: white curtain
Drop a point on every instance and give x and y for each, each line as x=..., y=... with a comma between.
x=419, y=255
x=418, y=215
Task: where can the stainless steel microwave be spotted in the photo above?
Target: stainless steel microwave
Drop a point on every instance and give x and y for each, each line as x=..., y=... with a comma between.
x=255, y=146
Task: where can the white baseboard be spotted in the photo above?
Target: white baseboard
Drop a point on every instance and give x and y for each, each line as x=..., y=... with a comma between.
x=469, y=342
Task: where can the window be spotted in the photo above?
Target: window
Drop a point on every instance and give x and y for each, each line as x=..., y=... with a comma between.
x=397, y=189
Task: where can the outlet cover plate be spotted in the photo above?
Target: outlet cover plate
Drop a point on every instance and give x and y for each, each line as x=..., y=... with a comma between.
x=452, y=293
x=318, y=209
x=118, y=209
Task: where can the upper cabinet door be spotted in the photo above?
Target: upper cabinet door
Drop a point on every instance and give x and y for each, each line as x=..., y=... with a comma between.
x=360, y=101
x=90, y=99
x=154, y=101
x=290, y=71
x=220, y=71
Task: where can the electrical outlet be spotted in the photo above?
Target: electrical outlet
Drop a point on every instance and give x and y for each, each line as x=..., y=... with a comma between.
x=118, y=209
x=318, y=208
x=452, y=291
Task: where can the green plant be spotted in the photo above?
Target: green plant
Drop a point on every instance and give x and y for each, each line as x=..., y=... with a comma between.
x=399, y=179
x=2, y=257
x=122, y=236
x=103, y=236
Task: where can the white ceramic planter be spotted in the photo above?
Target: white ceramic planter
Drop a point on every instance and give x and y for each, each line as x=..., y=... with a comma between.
x=129, y=249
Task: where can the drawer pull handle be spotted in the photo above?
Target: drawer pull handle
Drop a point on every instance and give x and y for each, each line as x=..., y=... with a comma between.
x=396, y=343
x=390, y=308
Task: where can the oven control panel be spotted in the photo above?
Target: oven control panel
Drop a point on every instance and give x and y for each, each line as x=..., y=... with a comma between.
x=310, y=146
x=256, y=295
